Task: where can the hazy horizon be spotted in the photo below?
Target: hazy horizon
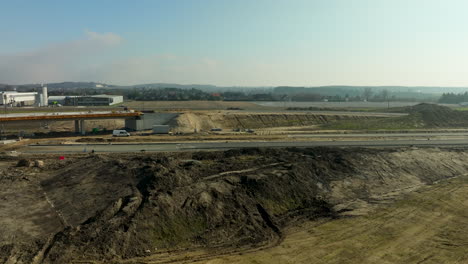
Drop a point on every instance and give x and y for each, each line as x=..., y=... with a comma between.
x=236, y=43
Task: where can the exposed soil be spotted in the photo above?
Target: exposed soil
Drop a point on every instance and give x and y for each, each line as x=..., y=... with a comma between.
x=192, y=121
x=425, y=226
x=434, y=116
x=131, y=208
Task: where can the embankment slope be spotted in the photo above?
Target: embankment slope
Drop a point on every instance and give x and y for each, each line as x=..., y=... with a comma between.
x=190, y=121
x=113, y=208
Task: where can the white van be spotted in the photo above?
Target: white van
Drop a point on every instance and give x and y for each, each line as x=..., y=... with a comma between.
x=120, y=133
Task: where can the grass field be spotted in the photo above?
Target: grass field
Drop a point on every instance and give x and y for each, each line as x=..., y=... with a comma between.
x=426, y=116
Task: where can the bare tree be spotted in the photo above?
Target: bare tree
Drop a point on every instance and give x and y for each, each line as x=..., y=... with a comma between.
x=367, y=93
x=384, y=94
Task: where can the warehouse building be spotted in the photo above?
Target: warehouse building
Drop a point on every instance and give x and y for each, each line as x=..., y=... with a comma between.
x=13, y=98
x=93, y=100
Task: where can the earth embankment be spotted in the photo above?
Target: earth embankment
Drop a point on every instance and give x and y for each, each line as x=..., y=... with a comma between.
x=191, y=121
x=116, y=208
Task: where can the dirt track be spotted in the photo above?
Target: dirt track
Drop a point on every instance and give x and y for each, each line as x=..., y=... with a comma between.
x=128, y=208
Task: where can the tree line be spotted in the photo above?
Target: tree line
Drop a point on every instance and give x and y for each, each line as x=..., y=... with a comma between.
x=452, y=98
x=184, y=94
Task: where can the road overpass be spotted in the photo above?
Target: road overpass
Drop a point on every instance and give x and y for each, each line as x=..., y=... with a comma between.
x=78, y=117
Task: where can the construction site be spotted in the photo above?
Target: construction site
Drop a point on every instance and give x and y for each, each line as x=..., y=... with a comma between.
x=239, y=206
x=234, y=132
x=251, y=185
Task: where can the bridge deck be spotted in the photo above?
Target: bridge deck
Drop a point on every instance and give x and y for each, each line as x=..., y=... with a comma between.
x=68, y=115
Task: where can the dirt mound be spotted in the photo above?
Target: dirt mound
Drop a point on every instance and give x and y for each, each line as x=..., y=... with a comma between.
x=439, y=116
x=113, y=207
x=426, y=107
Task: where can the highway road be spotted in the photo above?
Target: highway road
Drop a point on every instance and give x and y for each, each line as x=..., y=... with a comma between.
x=318, y=112
x=386, y=135
x=195, y=146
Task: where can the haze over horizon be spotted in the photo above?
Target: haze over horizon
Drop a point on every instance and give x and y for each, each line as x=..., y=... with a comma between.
x=236, y=43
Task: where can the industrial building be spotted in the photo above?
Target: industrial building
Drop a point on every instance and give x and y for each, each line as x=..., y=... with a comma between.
x=93, y=100
x=41, y=98
x=13, y=98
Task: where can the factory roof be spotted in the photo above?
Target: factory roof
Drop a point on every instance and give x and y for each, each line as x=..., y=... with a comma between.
x=19, y=93
x=106, y=95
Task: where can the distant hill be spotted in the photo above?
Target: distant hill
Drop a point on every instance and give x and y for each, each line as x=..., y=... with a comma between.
x=294, y=93
x=172, y=85
x=357, y=90
x=325, y=90
x=202, y=87
x=64, y=85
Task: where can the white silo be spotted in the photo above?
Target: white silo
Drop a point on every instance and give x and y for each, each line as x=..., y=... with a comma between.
x=37, y=99
x=45, y=98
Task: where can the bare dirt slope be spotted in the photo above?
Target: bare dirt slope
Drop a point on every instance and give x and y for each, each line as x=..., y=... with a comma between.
x=137, y=208
x=198, y=120
x=427, y=226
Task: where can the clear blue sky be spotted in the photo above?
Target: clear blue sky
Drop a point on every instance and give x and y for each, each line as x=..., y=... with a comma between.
x=236, y=42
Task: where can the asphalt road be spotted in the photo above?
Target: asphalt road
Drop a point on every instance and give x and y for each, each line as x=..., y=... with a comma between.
x=163, y=147
x=321, y=112
x=386, y=135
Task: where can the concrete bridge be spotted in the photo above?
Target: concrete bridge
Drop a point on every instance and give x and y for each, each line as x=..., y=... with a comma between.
x=78, y=117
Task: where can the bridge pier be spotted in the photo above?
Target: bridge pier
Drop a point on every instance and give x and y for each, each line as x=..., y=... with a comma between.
x=77, y=126
x=80, y=127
